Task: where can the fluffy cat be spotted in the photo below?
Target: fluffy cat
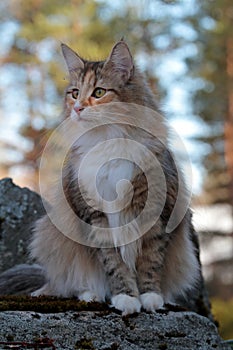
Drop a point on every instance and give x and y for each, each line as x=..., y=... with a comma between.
x=131, y=268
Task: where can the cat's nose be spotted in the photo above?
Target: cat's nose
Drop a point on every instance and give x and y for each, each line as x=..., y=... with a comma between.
x=78, y=108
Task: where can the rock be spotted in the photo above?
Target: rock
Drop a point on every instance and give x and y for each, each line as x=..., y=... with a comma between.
x=19, y=208
x=106, y=330
x=109, y=331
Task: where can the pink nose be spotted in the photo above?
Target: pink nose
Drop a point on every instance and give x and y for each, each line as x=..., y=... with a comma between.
x=78, y=109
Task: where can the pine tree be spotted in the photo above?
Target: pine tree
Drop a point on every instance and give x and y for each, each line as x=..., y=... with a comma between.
x=213, y=98
x=91, y=28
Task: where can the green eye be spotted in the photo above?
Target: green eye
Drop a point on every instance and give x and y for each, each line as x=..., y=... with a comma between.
x=75, y=93
x=98, y=92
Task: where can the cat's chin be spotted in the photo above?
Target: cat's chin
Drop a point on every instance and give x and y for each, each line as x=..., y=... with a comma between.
x=76, y=118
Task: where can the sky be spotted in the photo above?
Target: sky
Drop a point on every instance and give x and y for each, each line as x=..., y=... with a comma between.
x=170, y=69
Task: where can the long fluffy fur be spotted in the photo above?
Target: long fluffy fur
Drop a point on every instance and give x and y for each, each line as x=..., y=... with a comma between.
x=144, y=263
x=73, y=268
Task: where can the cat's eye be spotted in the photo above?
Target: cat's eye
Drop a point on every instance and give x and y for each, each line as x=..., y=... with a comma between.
x=75, y=93
x=98, y=92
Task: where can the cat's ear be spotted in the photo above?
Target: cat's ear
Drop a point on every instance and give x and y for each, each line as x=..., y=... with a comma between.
x=120, y=60
x=72, y=59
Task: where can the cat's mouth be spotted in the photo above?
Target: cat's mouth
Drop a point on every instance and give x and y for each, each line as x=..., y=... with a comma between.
x=77, y=116
x=86, y=115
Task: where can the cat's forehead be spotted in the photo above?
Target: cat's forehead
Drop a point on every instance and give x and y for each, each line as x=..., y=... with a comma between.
x=90, y=74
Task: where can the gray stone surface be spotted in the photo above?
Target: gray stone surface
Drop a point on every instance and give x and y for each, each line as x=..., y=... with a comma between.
x=19, y=208
x=109, y=331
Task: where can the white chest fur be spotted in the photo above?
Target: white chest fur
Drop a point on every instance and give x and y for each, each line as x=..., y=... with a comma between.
x=104, y=168
x=105, y=173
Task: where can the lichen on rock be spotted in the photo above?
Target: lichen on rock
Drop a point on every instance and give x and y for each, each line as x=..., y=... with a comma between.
x=19, y=208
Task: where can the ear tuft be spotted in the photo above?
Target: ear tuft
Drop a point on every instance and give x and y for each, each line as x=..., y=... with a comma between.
x=73, y=61
x=120, y=60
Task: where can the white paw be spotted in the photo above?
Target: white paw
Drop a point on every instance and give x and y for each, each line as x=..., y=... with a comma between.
x=126, y=304
x=45, y=290
x=37, y=293
x=151, y=301
x=88, y=296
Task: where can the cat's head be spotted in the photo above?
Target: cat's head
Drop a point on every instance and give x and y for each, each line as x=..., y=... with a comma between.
x=100, y=82
x=94, y=83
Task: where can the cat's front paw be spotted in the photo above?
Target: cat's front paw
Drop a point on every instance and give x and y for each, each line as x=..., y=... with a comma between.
x=151, y=301
x=126, y=304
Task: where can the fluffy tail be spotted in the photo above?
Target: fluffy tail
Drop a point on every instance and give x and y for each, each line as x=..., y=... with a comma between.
x=21, y=279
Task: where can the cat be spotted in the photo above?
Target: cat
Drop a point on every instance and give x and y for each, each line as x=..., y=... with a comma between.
x=133, y=270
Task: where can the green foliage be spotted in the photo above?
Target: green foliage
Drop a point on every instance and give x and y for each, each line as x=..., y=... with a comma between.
x=211, y=96
x=153, y=29
x=223, y=312
x=89, y=27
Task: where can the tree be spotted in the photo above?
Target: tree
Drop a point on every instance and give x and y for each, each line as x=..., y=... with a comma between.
x=33, y=58
x=155, y=30
x=35, y=53
x=213, y=97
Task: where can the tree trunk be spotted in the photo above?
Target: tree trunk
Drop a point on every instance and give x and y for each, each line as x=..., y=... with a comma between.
x=229, y=116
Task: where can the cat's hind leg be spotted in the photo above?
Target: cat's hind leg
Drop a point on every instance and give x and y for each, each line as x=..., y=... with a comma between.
x=89, y=296
x=45, y=290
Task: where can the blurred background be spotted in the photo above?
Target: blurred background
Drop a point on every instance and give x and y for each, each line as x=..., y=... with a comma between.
x=184, y=47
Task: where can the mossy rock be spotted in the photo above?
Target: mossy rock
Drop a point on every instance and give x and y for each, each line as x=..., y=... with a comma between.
x=45, y=304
